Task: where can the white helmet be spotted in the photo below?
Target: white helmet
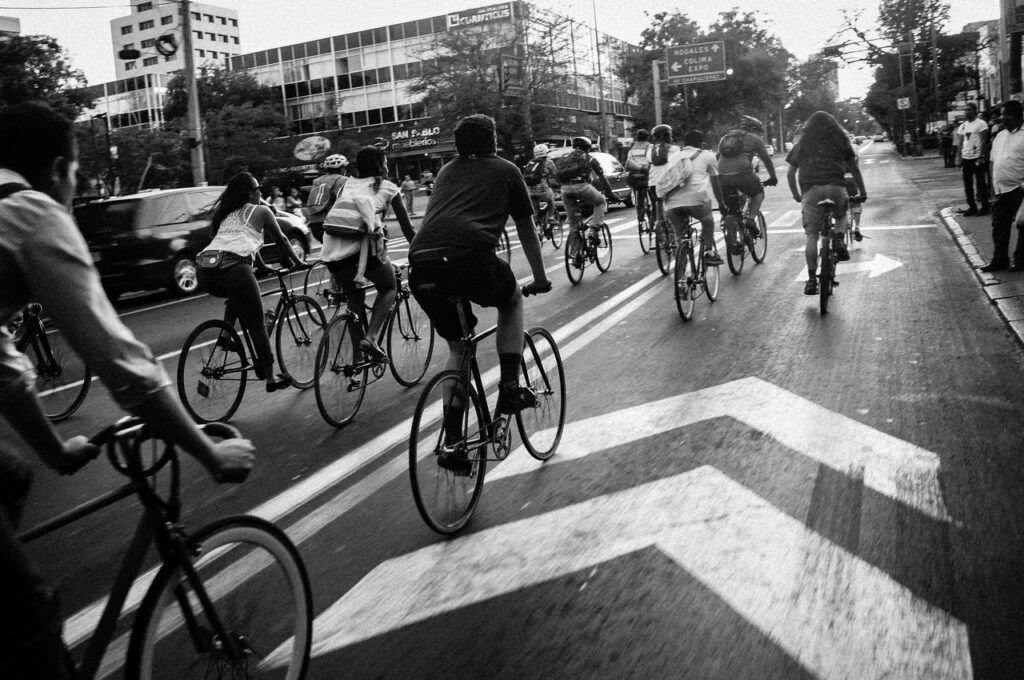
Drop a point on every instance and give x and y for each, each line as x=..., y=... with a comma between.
x=540, y=150
x=335, y=161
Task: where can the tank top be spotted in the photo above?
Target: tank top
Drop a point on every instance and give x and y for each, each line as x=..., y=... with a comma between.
x=237, y=234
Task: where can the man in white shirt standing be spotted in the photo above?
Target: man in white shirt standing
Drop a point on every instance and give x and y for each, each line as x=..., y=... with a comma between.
x=1008, y=187
x=972, y=158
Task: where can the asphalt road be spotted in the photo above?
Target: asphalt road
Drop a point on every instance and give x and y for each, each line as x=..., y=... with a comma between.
x=762, y=492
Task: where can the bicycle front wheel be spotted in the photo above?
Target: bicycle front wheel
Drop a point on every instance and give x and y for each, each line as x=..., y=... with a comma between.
x=410, y=341
x=212, y=371
x=575, y=256
x=735, y=252
x=664, y=246
x=244, y=583
x=299, y=329
x=540, y=427
x=603, y=250
x=710, y=279
x=684, y=282
x=62, y=378
x=447, y=452
x=759, y=244
x=341, y=374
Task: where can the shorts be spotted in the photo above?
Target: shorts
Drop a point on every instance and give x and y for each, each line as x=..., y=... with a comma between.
x=480, y=277
x=814, y=216
x=344, y=271
x=746, y=183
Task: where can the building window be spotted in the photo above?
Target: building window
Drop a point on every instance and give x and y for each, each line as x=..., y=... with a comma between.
x=234, y=39
x=209, y=17
x=223, y=21
x=128, y=46
x=213, y=54
x=169, y=57
x=149, y=42
x=129, y=66
x=144, y=7
x=166, y=20
x=234, y=22
x=146, y=25
x=201, y=53
x=211, y=36
x=125, y=30
x=199, y=35
x=150, y=61
x=223, y=38
x=197, y=16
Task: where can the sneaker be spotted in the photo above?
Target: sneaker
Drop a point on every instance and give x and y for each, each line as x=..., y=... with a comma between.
x=842, y=254
x=373, y=351
x=594, y=236
x=970, y=212
x=228, y=344
x=513, y=398
x=857, y=236
x=751, y=224
x=985, y=210
x=811, y=287
x=282, y=381
x=711, y=258
x=457, y=462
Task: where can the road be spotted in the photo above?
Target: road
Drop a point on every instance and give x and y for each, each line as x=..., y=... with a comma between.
x=762, y=492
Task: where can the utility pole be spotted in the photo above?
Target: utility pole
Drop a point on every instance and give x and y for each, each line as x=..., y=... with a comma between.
x=195, y=123
x=656, y=79
x=603, y=143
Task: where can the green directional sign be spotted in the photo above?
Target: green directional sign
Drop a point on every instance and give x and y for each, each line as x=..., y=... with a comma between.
x=697, y=63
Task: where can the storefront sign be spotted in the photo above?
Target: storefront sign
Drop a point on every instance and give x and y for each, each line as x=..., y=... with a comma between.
x=480, y=15
x=415, y=138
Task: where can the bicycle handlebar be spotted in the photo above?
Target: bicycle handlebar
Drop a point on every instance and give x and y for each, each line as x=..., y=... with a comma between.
x=528, y=291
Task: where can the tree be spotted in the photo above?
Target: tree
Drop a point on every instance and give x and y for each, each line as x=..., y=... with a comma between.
x=36, y=68
x=147, y=158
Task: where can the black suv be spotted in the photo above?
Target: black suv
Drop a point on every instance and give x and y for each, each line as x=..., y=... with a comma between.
x=149, y=240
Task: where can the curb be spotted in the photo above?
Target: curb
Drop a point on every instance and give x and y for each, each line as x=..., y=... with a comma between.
x=1008, y=298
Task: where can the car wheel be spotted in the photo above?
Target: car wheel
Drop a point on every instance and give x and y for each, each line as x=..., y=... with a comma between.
x=185, y=281
x=298, y=247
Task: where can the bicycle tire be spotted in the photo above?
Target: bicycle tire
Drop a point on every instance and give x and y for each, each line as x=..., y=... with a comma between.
x=260, y=591
x=709, y=279
x=446, y=500
x=759, y=244
x=603, y=250
x=643, y=227
x=540, y=427
x=557, y=226
x=503, y=249
x=410, y=341
x=826, y=278
x=340, y=384
x=664, y=246
x=575, y=259
x=735, y=253
x=62, y=378
x=317, y=283
x=212, y=372
x=684, y=285
x=297, y=338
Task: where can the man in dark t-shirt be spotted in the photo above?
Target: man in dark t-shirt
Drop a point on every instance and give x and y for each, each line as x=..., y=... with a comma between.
x=453, y=253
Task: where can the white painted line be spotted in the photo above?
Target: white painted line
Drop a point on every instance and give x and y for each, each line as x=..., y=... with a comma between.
x=787, y=219
x=878, y=265
x=886, y=227
x=836, y=615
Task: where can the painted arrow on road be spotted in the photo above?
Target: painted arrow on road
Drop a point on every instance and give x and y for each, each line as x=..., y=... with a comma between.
x=877, y=266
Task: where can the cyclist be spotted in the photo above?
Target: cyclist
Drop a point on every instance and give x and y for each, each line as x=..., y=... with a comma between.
x=638, y=168
x=326, y=188
x=736, y=151
x=821, y=158
x=574, y=171
x=349, y=259
x=539, y=175
x=692, y=198
x=658, y=153
x=453, y=251
x=43, y=257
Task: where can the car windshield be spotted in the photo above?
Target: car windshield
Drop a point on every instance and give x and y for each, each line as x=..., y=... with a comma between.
x=109, y=217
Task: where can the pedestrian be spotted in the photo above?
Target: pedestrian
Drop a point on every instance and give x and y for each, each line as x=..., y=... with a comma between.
x=972, y=157
x=277, y=199
x=44, y=258
x=292, y=202
x=409, y=194
x=946, y=147
x=1008, y=189
x=427, y=180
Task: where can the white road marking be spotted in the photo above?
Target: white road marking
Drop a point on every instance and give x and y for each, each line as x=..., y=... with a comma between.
x=837, y=615
x=787, y=219
x=877, y=266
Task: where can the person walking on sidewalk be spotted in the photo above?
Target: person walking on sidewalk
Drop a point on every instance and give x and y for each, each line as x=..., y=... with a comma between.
x=409, y=187
x=972, y=159
x=1008, y=187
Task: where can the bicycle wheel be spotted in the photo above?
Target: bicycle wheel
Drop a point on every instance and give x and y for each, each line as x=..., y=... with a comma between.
x=410, y=342
x=664, y=248
x=556, y=226
x=299, y=329
x=709, y=279
x=759, y=244
x=447, y=430
x=504, y=247
x=540, y=427
x=575, y=256
x=212, y=371
x=643, y=225
x=62, y=378
x=341, y=376
x=258, y=592
x=684, y=282
x=317, y=283
x=735, y=253
x=826, y=278
x=603, y=250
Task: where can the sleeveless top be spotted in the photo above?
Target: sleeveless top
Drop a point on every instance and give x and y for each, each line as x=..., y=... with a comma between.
x=237, y=234
x=338, y=247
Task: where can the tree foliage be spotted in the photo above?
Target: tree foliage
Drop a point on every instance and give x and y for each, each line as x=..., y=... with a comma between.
x=36, y=68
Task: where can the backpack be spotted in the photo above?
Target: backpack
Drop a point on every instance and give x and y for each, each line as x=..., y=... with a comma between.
x=676, y=177
x=572, y=165
x=638, y=168
x=659, y=153
x=321, y=198
x=345, y=219
x=732, y=143
x=533, y=173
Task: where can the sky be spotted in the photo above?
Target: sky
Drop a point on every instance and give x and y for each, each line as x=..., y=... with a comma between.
x=82, y=27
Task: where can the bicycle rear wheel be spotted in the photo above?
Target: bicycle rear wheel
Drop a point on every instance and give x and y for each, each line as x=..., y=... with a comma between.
x=643, y=225
x=212, y=371
x=603, y=250
x=318, y=283
x=710, y=279
x=575, y=256
x=341, y=374
x=410, y=341
x=299, y=329
x=447, y=452
x=759, y=244
x=664, y=246
x=557, y=227
x=540, y=427
x=735, y=253
x=258, y=591
x=504, y=247
x=62, y=378
x=684, y=281
x=827, y=277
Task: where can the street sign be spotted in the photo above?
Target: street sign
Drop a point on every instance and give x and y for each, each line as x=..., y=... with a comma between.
x=903, y=103
x=697, y=63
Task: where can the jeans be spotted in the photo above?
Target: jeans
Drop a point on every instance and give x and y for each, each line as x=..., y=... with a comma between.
x=547, y=197
x=574, y=194
x=1004, y=208
x=975, y=172
x=238, y=285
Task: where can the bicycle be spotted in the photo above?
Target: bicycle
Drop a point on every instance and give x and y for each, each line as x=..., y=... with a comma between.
x=828, y=258
x=645, y=219
x=550, y=229
x=856, y=208
x=62, y=378
x=692, y=274
x=453, y=427
x=226, y=600
x=581, y=251
x=213, y=366
x=739, y=240
x=343, y=372
x=503, y=248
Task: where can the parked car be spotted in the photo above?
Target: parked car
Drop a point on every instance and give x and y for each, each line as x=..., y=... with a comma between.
x=613, y=172
x=879, y=137
x=149, y=240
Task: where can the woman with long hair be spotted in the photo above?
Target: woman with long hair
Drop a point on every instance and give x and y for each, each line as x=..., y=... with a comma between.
x=822, y=158
x=345, y=257
x=225, y=268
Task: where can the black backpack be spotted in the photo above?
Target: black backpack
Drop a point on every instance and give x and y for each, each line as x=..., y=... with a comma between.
x=533, y=173
x=572, y=165
x=732, y=143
